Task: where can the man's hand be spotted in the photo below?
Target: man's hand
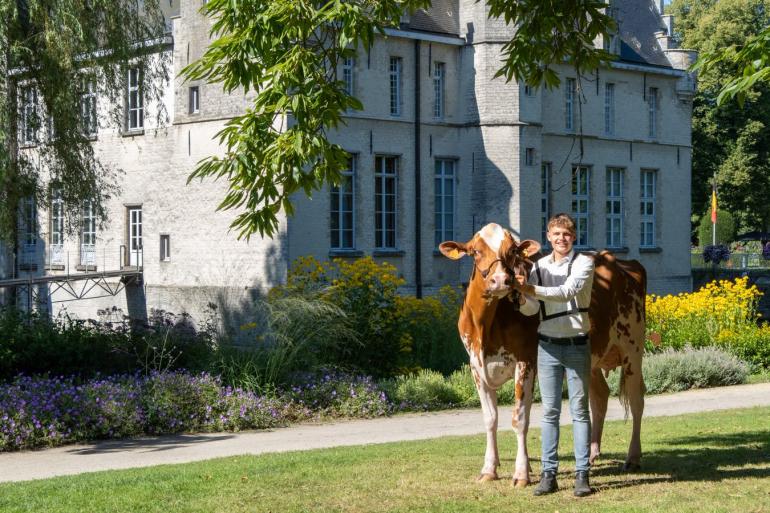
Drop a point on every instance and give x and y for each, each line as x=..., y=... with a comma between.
x=520, y=284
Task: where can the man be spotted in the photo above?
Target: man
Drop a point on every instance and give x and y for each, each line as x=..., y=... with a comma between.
x=561, y=283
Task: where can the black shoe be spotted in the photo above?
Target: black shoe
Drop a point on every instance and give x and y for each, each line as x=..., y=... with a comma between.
x=582, y=488
x=547, y=483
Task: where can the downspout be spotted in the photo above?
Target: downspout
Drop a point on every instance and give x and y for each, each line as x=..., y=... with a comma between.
x=417, y=184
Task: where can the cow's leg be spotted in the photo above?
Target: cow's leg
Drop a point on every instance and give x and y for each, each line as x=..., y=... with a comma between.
x=488, y=398
x=599, y=394
x=634, y=390
x=525, y=382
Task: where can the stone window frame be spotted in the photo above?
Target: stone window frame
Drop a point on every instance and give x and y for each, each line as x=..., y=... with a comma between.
x=648, y=183
x=615, y=207
x=387, y=218
x=581, y=204
x=444, y=220
x=337, y=211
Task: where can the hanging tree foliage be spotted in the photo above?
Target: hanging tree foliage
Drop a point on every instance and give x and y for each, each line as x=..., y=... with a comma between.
x=288, y=51
x=55, y=49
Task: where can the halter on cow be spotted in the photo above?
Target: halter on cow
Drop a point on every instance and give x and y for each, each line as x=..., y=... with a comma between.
x=501, y=341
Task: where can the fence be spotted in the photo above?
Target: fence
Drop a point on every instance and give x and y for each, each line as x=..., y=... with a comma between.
x=736, y=261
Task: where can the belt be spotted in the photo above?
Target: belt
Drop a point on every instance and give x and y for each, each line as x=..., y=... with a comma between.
x=577, y=340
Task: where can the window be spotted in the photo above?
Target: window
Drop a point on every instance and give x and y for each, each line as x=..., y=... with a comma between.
x=56, y=249
x=88, y=107
x=343, y=201
x=395, y=86
x=165, y=247
x=88, y=235
x=570, y=93
x=545, y=199
x=28, y=231
x=29, y=221
x=28, y=118
x=439, y=78
x=195, y=100
x=348, y=67
x=135, y=101
x=609, y=109
x=652, y=102
x=581, y=187
x=529, y=156
x=614, y=207
x=135, y=246
x=385, y=183
x=445, y=200
x=647, y=208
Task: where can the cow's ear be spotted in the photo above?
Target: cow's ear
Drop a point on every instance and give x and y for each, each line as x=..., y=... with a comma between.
x=528, y=247
x=453, y=250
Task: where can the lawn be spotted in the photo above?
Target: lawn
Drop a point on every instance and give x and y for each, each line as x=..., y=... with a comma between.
x=712, y=462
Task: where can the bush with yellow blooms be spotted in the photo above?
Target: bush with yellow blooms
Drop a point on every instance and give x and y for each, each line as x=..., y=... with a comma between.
x=722, y=313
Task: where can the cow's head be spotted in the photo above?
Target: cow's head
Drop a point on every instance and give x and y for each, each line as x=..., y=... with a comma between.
x=496, y=258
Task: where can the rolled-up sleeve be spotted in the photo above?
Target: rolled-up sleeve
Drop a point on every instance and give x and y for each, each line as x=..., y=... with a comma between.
x=530, y=306
x=582, y=270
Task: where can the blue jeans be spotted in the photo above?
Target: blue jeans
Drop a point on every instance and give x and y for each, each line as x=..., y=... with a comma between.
x=552, y=362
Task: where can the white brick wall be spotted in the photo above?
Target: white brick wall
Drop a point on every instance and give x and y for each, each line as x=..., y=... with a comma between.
x=487, y=127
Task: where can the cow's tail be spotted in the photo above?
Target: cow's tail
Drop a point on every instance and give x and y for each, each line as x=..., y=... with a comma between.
x=623, y=394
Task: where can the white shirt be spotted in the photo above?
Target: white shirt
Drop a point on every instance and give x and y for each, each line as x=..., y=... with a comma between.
x=557, y=292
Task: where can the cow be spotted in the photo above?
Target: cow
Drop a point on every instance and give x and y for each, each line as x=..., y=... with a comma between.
x=502, y=342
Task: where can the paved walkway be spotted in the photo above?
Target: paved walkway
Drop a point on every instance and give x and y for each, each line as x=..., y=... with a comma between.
x=145, y=452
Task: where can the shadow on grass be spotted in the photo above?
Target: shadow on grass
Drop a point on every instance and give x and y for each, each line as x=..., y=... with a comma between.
x=708, y=458
x=163, y=443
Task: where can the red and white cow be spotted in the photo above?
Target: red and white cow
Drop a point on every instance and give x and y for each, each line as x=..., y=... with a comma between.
x=502, y=343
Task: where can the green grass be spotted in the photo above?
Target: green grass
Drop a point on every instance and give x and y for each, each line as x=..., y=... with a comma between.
x=713, y=462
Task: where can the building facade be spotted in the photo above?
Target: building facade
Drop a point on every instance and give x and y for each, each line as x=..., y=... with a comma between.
x=440, y=149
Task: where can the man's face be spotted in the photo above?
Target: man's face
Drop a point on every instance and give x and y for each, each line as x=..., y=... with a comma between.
x=561, y=239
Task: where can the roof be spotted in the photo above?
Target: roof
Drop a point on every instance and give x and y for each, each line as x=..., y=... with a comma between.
x=441, y=17
x=638, y=21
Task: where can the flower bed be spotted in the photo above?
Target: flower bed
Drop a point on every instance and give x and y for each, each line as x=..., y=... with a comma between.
x=45, y=412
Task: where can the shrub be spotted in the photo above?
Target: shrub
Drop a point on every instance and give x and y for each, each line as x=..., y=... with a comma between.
x=695, y=319
x=674, y=371
x=462, y=382
x=716, y=253
x=431, y=327
x=337, y=394
x=31, y=343
x=34, y=344
x=751, y=345
x=725, y=228
x=367, y=293
x=424, y=390
x=41, y=411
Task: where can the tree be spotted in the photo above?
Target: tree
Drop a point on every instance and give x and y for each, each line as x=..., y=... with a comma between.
x=50, y=51
x=730, y=139
x=289, y=50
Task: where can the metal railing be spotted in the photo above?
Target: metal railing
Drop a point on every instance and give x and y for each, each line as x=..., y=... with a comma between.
x=736, y=261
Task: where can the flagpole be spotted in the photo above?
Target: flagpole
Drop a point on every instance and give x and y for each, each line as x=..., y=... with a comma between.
x=714, y=210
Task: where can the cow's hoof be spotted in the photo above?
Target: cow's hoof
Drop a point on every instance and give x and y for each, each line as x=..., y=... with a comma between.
x=520, y=483
x=630, y=466
x=483, y=478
